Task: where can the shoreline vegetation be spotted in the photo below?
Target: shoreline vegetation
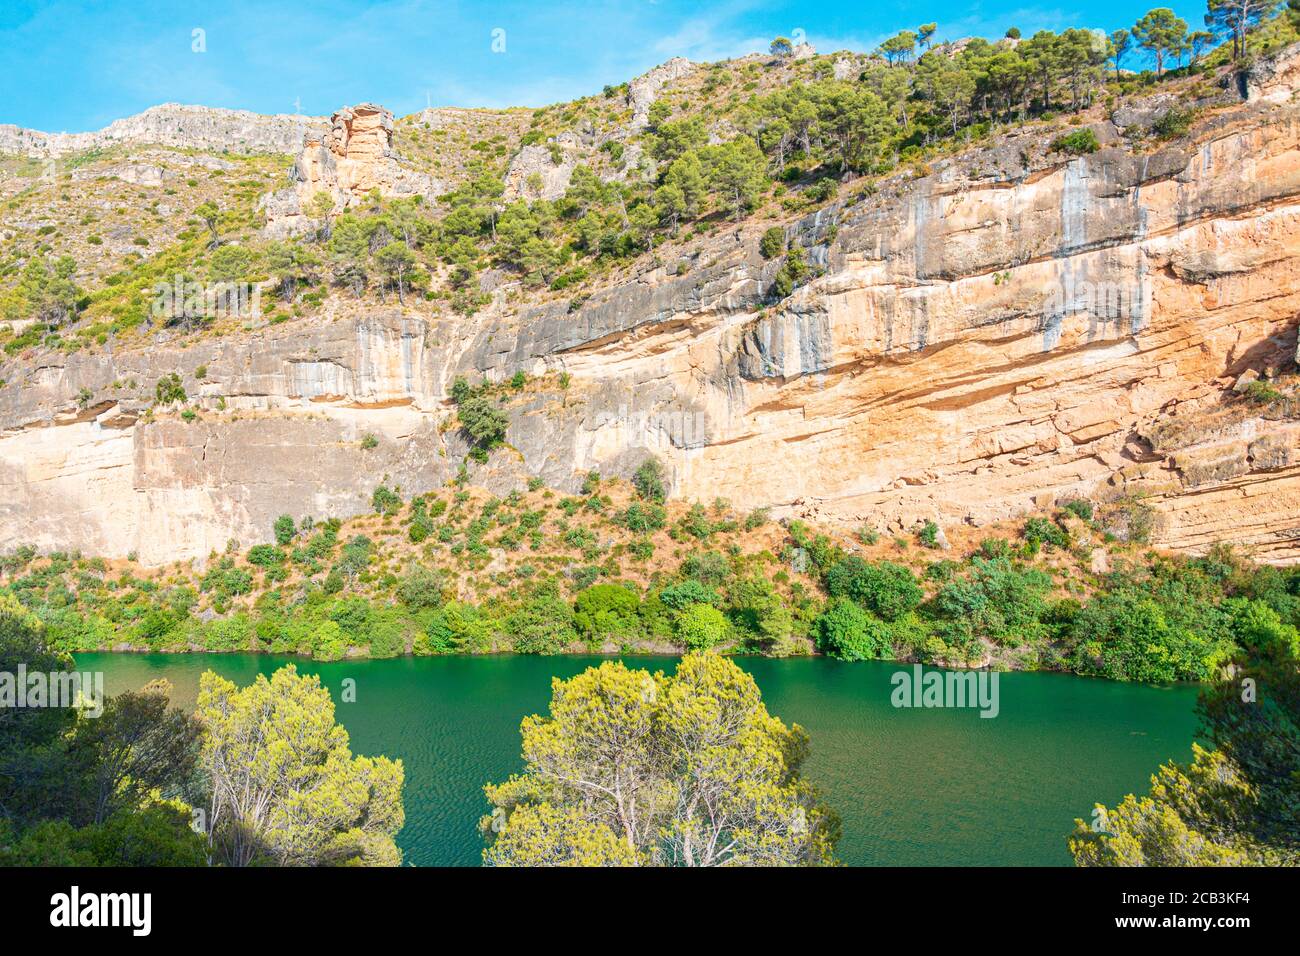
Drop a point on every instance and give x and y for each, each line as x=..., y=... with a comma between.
x=619, y=570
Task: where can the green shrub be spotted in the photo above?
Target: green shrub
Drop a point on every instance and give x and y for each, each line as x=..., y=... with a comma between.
x=1080, y=508
x=169, y=390
x=386, y=501
x=683, y=593
x=437, y=637
x=421, y=589
x=997, y=599
x=1260, y=630
x=641, y=518
x=572, y=277
x=421, y=525
x=1040, y=531
x=910, y=634
x=793, y=271
x=234, y=633
x=773, y=243
x=695, y=523
x=605, y=609
x=819, y=549
x=648, y=480
x=707, y=567
x=266, y=556
x=356, y=555
x=387, y=638
x=756, y=609
x=867, y=535
x=483, y=422
x=846, y=631
x=887, y=589
x=995, y=548
x=701, y=626
x=1262, y=392
x=420, y=528
x=469, y=628
x=353, y=615
x=542, y=625
x=327, y=642
x=1077, y=143
x=225, y=580
x=284, y=529
x=1174, y=122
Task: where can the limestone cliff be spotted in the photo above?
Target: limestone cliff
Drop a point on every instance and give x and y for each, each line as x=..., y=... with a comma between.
x=354, y=156
x=1011, y=328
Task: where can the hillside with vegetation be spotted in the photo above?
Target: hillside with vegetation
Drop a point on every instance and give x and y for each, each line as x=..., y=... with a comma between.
x=617, y=569
x=548, y=208
x=519, y=367
x=86, y=238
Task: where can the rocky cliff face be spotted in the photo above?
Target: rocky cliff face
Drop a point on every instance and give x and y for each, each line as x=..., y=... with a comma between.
x=354, y=156
x=643, y=91
x=171, y=124
x=1011, y=329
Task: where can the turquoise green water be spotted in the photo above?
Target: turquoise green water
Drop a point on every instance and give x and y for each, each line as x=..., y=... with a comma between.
x=914, y=787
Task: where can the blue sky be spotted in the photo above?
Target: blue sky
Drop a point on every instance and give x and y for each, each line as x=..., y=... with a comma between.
x=72, y=66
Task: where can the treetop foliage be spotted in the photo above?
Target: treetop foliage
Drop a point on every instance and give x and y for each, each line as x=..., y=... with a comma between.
x=639, y=769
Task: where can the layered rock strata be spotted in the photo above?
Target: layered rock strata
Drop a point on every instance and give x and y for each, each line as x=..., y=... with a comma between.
x=1012, y=330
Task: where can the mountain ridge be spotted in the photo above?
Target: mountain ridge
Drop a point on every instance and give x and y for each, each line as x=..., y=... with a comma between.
x=190, y=126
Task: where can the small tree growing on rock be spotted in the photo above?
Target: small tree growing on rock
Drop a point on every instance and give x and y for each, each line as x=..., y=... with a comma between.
x=648, y=480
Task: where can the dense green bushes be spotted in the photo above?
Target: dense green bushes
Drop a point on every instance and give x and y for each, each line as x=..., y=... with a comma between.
x=1171, y=623
x=1168, y=620
x=701, y=626
x=848, y=632
x=887, y=589
x=1077, y=143
x=1172, y=620
x=1022, y=603
x=606, y=610
x=997, y=599
x=1129, y=636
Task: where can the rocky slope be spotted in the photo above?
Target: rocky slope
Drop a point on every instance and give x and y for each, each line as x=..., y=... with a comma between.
x=344, y=163
x=1012, y=328
x=172, y=124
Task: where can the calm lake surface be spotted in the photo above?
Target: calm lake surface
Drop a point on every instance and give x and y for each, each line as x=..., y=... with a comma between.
x=914, y=787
